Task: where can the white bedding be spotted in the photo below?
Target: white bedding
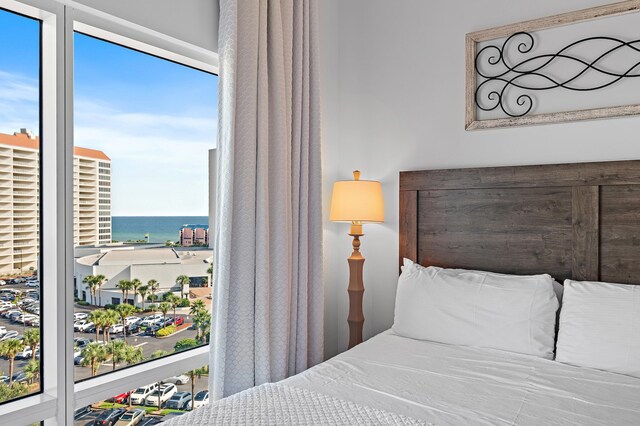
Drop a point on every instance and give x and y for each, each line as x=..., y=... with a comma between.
x=453, y=385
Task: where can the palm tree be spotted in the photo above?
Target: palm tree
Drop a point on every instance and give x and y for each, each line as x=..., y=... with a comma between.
x=133, y=355
x=32, y=338
x=93, y=355
x=32, y=370
x=99, y=281
x=194, y=373
x=10, y=349
x=202, y=322
x=196, y=306
x=89, y=280
x=154, y=286
x=158, y=354
x=124, y=311
x=118, y=352
x=153, y=308
x=143, y=291
x=124, y=286
x=164, y=308
x=210, y=272
x=183, y=281
x=111, y=317
x=135, y=284
x=173, y=300
x=97, y=317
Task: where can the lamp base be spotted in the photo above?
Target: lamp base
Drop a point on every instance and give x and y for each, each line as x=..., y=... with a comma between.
x=355, y=290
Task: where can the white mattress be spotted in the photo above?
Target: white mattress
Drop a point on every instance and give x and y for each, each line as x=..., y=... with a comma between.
x=452, y=385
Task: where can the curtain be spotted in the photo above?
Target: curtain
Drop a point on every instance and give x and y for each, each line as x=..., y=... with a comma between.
x=267, y=319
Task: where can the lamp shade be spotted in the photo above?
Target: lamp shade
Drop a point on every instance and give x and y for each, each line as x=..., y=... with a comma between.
x=357, y=201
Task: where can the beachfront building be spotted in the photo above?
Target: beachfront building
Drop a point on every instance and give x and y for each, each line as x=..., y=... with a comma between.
x=194, y=235
x=20, y=200
x=163, y=264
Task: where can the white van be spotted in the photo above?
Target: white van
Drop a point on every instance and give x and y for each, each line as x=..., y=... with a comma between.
x=140, y=394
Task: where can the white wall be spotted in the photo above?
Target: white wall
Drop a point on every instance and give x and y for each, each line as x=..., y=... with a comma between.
x=193, y=21
x=393, y=99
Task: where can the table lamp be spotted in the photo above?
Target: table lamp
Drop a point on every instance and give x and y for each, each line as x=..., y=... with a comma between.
x=356, y=201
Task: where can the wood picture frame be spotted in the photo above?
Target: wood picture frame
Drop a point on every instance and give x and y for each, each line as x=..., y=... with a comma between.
x=472, y=39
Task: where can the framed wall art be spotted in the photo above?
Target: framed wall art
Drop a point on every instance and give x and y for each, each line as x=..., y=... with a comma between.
x=575, y=66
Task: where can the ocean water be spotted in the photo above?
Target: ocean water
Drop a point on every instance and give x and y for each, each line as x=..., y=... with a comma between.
x=159, y=228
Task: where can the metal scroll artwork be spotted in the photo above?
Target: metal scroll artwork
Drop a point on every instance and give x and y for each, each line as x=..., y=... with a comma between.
x=536, y=72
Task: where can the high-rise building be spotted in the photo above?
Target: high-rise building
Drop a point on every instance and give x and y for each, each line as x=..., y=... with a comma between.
x=20, y=200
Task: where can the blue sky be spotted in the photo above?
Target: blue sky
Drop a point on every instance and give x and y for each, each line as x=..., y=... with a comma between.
x=155, y=119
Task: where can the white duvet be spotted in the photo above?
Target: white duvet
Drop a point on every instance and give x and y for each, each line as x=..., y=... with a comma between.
x=403, y=381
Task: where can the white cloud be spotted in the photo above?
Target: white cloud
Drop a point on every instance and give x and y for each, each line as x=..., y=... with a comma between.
x=19, y=103
x=159, y=162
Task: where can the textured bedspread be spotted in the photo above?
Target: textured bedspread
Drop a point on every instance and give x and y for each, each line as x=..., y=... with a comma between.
x=279, y=404
x=394, y=380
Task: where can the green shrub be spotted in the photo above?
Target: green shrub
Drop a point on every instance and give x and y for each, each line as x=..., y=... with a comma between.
x=184, y=303
x=164, y=332
x=83, y=302
x=185, y=344
x=109, y=306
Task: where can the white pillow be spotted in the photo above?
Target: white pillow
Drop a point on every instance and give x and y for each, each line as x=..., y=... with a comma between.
x=474, y=308
x=600, y=326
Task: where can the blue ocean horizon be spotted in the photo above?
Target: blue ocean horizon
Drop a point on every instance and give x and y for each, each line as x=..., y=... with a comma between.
x=160, y=228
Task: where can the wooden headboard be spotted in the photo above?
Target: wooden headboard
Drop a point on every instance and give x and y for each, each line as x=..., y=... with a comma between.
x=579, y=221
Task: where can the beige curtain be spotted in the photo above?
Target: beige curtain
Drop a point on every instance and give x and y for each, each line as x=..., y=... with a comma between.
x=267, y=319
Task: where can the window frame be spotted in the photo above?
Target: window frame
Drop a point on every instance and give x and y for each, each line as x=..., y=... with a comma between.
x=59, y=395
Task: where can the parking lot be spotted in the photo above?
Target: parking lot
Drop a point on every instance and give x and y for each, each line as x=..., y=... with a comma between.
x=149, y=344
x=200, y=384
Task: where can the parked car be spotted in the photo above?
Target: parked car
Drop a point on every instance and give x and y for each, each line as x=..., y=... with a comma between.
x=80, y=316
x=87, y=327
x=116, y=328
x=132, y=320
x=133, y=328
x=164, y=393
x=77, y=360
x=20, y=377
x=182, y=379
x=179, y=401
x=10, y=335
x=3, y=282
x=150, y=421
x=131, y=417
x=150, y=320
x=152, y=329
x=109, y=417
x=3, y=330
x=121, y=398
x=25, y=354
x=202, y=398
x=78, y=324
x=4, y=379
x=140, y=394
x=79, y=413
x=81, y=342
x=179, y=321
x=33, y=284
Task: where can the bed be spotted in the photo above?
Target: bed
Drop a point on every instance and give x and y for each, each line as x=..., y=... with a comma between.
x=577, y=221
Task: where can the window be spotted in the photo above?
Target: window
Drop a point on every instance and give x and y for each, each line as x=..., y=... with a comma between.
x=20, y=301
x=146, y=125
x=48, y=102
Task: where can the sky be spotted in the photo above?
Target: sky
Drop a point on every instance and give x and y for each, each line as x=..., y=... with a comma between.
x=155, y=119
